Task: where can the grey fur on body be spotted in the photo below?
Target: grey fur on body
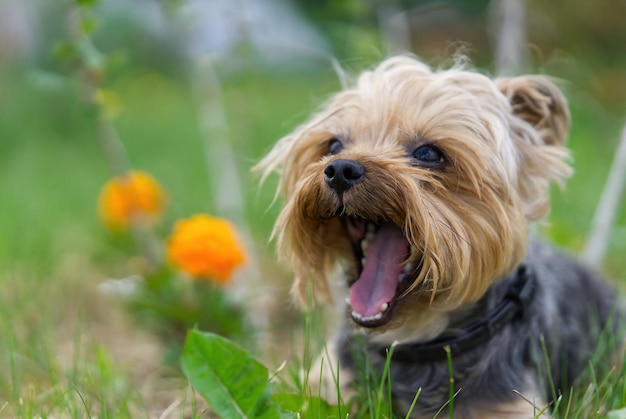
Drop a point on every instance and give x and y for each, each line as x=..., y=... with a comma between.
x=569, y=300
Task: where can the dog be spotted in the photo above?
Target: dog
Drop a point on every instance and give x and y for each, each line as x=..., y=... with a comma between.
x=411, y=195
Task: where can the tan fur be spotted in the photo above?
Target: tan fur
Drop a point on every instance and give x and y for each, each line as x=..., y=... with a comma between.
x=489, y=131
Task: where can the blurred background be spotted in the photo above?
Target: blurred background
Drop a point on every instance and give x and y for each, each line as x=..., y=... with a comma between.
x=198, y=91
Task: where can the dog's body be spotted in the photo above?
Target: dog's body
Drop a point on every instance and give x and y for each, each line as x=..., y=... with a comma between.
x=418, y=188
x=569, y=305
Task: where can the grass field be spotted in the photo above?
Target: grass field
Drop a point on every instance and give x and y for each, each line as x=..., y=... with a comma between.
x=67, y=350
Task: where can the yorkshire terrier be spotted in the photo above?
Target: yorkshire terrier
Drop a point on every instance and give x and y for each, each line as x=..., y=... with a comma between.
x=410, y=197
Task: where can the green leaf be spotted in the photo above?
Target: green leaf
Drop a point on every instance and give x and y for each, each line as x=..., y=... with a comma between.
x=65, y=51
x=86, y=2
x=273, y=411
x=88, y=24
x=289, y=402
x=230, y=380
x=308, y=407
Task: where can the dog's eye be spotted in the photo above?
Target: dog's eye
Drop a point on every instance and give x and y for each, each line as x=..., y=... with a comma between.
x=334, y=146
x=429, y=155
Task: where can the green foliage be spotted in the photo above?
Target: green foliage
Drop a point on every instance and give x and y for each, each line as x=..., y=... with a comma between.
x=163, y=301
x=308, y=406
x=602, y=386
x=234, y=384
x=57, y=359
x=170, y=305
x=51, y=152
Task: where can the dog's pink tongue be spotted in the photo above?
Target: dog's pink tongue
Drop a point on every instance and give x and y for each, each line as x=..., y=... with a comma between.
x=379, y=279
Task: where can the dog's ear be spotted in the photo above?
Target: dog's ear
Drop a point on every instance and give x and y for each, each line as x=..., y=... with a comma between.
x=306, y=255
x=539, y=124
x=539, y=102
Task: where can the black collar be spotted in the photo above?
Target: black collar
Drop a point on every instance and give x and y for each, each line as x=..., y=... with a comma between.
x=519, y=295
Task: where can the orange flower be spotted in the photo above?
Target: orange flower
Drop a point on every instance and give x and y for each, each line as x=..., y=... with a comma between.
x=205, y=247
x=137, y=194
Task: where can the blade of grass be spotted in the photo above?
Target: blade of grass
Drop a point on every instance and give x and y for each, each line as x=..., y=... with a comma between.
x=361, y=361
x=82, y=399
x=569, y=404
x=320, y=383
x=194, y=403
x=451, y=375
x=413, y=403
x=385, y=377
x=530, y=402
x=441, y=409
x=546, y=359
x=15, y=386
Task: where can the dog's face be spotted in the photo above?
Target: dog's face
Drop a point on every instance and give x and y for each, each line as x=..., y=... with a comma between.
x=418, y=187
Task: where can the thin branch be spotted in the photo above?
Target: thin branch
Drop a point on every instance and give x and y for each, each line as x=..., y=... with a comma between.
x=90, y=68
x=395, y=27
x=223, y=173
x=507, y=21
x=604, y=217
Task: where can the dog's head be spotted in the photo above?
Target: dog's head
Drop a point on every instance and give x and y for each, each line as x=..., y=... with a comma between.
x=418, y=185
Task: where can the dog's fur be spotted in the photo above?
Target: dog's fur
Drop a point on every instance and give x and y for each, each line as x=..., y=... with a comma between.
x=450, y=167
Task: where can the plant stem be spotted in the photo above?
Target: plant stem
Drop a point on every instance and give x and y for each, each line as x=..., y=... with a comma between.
x=90, y=69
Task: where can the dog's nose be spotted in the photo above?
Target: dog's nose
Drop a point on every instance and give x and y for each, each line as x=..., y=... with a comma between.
x=341, y=174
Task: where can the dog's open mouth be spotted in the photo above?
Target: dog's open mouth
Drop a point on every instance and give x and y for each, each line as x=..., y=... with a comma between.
x=383, y=273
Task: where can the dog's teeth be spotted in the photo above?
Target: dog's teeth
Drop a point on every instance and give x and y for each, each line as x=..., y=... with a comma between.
x=362, y=261
x=384, y=307
x=365, y=244
x=360, y=317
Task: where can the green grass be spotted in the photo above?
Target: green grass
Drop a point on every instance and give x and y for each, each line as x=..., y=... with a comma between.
x=68, y=351
x=58, y=348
